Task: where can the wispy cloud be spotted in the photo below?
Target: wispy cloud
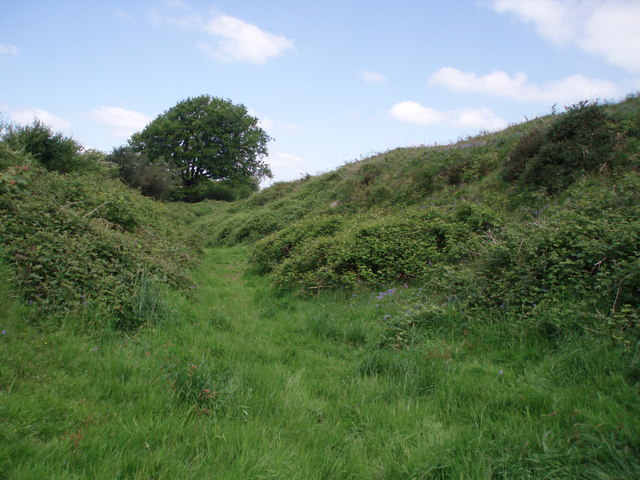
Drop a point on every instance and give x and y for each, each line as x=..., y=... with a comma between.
x=501, y=84
x=286, y=167
x=373, y=77
x=8, y=49
x=28, y=115
x=234, y=39
x=122, y=123
x=416, y=113
x=607, y=28
x=239, y=41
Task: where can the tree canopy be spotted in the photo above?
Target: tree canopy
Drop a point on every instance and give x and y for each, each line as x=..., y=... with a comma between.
x=206, y=137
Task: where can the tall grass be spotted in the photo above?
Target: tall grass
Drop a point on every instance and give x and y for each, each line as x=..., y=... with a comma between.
x=240, y=382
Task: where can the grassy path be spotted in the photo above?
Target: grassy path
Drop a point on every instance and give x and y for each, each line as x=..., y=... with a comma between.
x=243, y=384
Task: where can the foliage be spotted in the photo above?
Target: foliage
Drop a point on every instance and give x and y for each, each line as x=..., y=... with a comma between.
x=585, y=248
x=206, y=137
x=81, y=242
x=272, y=250
x=377, y=251
x=581, y=140
x=225, y=190
x=52, y=150
x=134, y=169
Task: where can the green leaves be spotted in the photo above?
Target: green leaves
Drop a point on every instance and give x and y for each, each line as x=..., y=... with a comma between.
x=81, y=242
x=206, y=137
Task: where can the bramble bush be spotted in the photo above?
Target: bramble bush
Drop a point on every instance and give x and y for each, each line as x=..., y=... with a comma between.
x=80, y=243
x=273, y=249
x=375, y=251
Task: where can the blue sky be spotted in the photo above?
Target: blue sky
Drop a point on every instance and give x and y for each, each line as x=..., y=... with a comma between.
x=331, y=81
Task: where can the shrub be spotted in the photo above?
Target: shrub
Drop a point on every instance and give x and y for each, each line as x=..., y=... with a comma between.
x=82, y=242
x=52, y=150
x=579, y=141
x=376, y=251
x=274, y=249
x=154, y=180
x=585, y=248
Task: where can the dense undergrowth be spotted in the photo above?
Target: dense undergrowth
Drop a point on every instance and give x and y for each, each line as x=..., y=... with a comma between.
x=83, y=242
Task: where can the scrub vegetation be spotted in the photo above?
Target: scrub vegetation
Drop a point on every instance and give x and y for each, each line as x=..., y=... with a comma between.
x=467, y=311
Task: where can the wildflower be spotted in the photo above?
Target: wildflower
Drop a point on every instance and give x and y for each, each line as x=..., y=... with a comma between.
x=500, y=372
x=94, y=349
x=387, y=316
x=4, y=332
x=381, y=295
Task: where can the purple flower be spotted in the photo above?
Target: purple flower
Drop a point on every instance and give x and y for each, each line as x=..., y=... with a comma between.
x=4, y=332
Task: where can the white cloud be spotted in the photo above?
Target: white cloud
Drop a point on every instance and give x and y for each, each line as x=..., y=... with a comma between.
x=413, y=112
x=235, y=39
x=476, y=118
x=240, y=41
x=8, y=49
x=27, y=116
x=373, y=77
x=122, y=123
x=608, y=28
x=499, y=83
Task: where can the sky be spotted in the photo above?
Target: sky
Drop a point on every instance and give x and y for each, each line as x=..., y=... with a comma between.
x=331, y=81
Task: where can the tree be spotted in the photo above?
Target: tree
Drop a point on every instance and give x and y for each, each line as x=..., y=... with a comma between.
x=206, y=138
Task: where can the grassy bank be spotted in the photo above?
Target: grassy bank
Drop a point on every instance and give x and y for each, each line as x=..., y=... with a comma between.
x=239, y=382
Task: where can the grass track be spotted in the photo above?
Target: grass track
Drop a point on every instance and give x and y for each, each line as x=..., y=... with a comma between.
x=242, y=383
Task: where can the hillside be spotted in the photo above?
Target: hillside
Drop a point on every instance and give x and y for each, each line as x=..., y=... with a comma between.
x=451, y=311
x=534, y=215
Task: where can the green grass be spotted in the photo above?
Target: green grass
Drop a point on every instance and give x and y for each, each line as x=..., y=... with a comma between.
x=241, y=382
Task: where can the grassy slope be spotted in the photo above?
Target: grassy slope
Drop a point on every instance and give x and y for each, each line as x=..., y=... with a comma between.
x=244, y=384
